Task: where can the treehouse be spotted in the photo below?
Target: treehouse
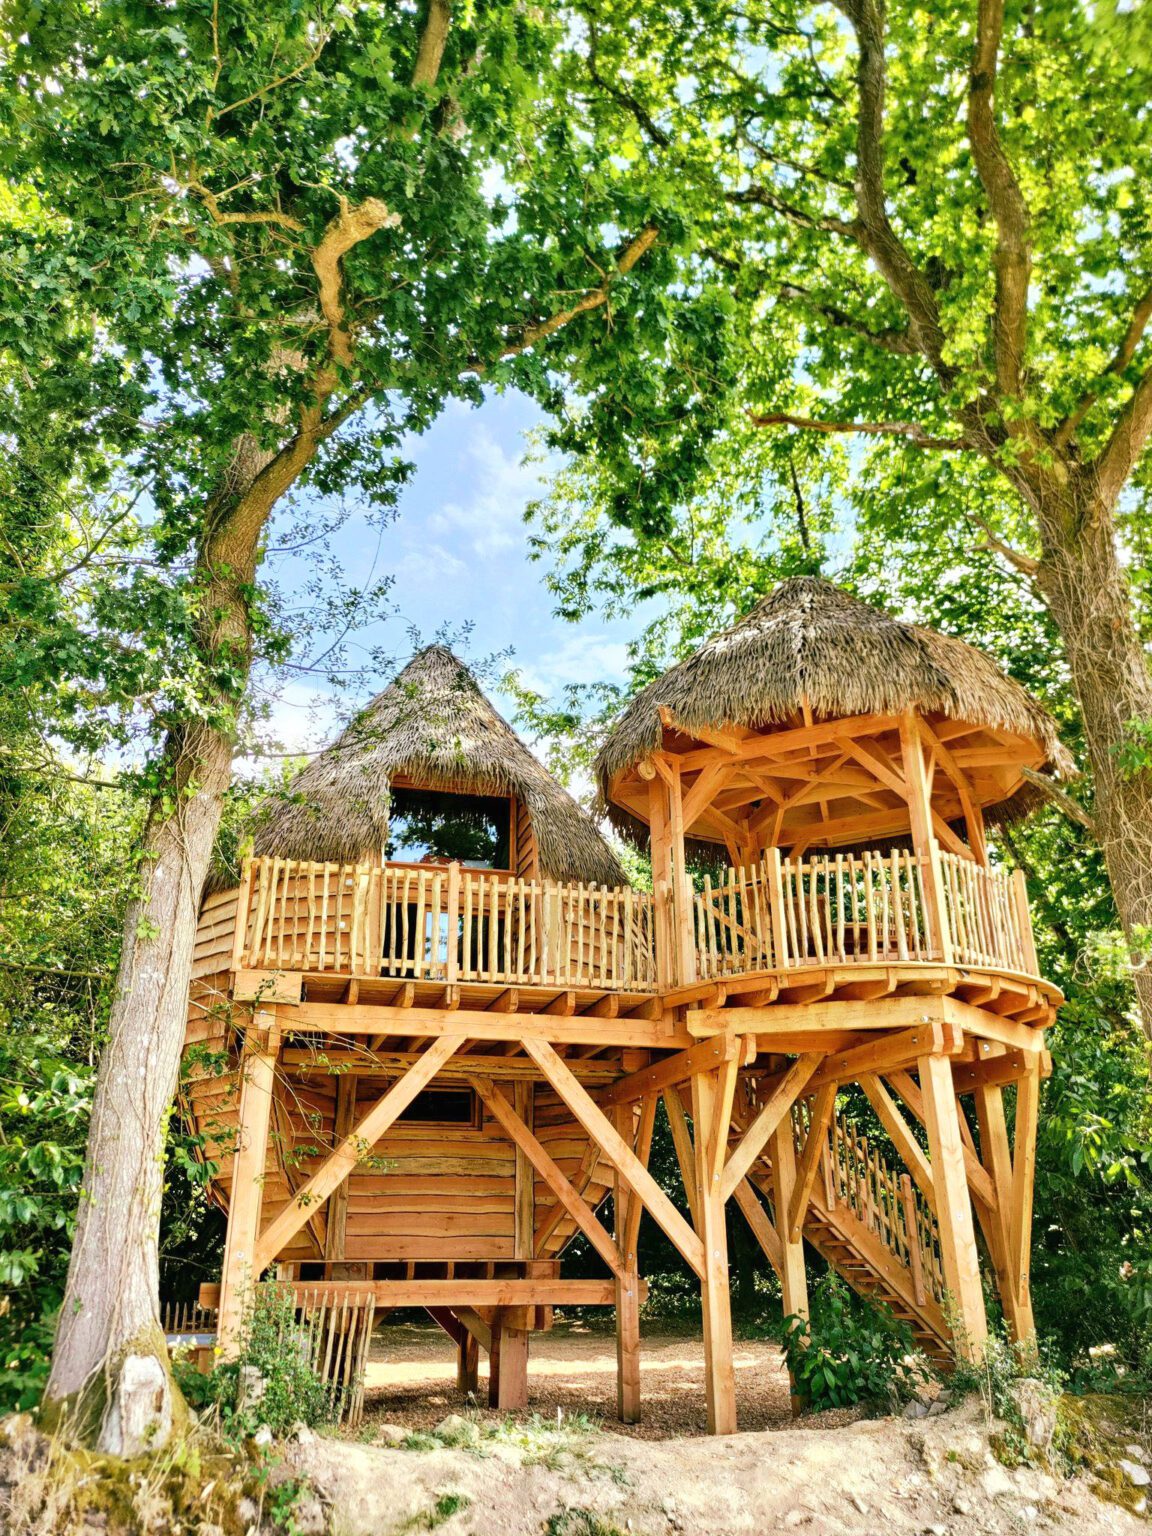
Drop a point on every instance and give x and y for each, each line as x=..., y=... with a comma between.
x=431, y=1022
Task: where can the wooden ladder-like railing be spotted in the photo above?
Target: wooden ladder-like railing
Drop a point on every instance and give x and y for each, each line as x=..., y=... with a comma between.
x=875, y=1229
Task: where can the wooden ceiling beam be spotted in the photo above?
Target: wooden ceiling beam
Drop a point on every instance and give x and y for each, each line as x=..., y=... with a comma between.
x=775, y=743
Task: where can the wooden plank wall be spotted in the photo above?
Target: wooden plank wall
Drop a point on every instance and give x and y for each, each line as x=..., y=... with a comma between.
x=447, y=1192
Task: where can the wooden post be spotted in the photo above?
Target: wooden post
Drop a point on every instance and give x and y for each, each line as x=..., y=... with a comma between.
x=257, y=1081
x=523, y=1102
x=627, y=1286
x=452, y=959
x=1023, y=1182
x=508, y=1367
x=345, y=1119
x=467, y=1362
x=996, y=1154
x=953, y=1206
x=793, y=1279
x=683, y=898
x=927, y=849
x=662, y=879
x=711, y=1108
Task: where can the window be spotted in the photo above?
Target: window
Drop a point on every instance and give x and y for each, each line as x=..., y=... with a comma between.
x=443, y=1106
x=432, y=826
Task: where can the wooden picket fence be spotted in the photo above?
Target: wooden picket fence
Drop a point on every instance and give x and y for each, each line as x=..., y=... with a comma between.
x=858, y=908
x=448, y=924
x=888, y=1203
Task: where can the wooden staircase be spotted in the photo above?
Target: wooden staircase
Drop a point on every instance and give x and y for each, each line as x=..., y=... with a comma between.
x=875, y=1229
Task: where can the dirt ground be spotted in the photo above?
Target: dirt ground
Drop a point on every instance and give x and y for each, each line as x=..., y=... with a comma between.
x=873, y=1477
x=411, y=1381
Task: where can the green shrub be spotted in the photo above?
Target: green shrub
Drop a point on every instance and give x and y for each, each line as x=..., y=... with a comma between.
x=275, y=1345
x=850, y=1351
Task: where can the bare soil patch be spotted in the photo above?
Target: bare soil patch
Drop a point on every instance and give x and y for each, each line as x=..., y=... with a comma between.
x=412, y=1381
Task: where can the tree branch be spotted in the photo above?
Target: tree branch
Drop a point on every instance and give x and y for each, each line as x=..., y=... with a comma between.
x=430, y=54
x=1025, y=564
x=891, y=339
x=1013, y=223
x=1057, y=797
x=761, y=195
x=619, y=95
x=273, y=85
x=347, y=229
x=1118, y=457
x=911, y=430
x=1123, y=356
x=539, y=330
x=873, y=228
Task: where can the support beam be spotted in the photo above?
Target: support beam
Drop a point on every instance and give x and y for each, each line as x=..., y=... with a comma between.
x=954, y=1209
x=508, y=1367
x=539, y=1159
x=888, y=1053
x=818, y=1121
x=678, y=1069
x=345, y=1119
x=711, y=1108
x=996, y=1152
x=920, y=813
x=793, y=1280
x=979, y=1182
x=762, y=1229
x=618, y=1153
x=900, y=1132
x=779, y=1104
x=1023, y=1183
x=340, y=1163
x=685, y=1156
x=524, y=1103
x=241, y=1267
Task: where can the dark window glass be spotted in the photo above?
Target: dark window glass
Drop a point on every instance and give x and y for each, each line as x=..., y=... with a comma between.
x=430, y=826
x=442, y=1106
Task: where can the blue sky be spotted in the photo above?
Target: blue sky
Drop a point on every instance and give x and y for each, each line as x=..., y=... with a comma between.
x=458, y=555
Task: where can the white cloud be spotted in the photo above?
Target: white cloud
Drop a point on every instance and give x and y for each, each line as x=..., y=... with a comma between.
x=582, y=658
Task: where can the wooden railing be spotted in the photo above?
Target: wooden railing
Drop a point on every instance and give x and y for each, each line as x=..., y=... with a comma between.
x=887, y=1203
x=987, y=917
x=845, y=908
x=450, y=924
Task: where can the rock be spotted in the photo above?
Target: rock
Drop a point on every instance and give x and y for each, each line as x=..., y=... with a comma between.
x=139, y=1416
x=1136, y=1452
x=390, y=1434
x=308, y=1517
x=995, y=1482
x=457, y=1430
x=250, y=1387
x=263, y=1437
x=916, y=1409
x=961, y=1505
x=303, y=1435
x=247, y=1512
x=1035, y=1402
x=936, y=1408
x=796, y=1517
x=1137, y=1475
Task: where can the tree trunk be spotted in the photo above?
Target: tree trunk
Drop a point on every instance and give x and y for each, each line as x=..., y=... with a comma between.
x=110, y=1304
x=1082, y=579
x=110, y=1312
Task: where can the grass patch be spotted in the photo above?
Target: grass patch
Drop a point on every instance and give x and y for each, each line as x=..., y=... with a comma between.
x=580, y=1522
x=446, y=1505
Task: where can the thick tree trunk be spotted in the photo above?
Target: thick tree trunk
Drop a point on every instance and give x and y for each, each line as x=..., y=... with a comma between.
x=1083, y=581
x=110, y=1305
x=110, y=1311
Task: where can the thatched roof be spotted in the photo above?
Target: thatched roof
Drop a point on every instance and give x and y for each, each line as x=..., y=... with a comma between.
x=811, y=642
x=435, y=727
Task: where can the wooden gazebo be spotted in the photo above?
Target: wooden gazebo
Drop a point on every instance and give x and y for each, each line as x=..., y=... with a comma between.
x=426, y=1045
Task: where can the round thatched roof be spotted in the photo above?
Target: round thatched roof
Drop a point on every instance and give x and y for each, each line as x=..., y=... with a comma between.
x=811, y=644
x=435, y=727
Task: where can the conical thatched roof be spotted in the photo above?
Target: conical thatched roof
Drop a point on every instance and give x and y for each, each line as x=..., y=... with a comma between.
x=811, y=642
x=433, y=725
